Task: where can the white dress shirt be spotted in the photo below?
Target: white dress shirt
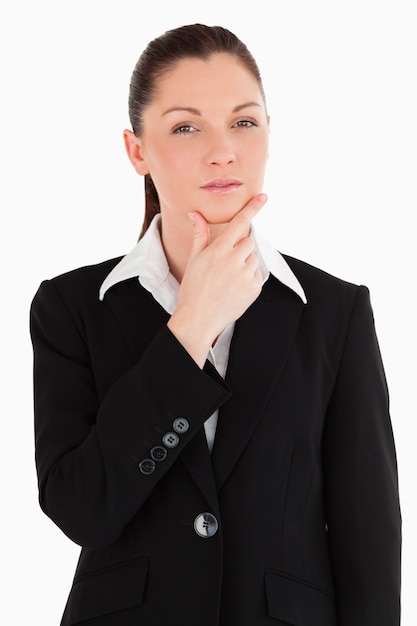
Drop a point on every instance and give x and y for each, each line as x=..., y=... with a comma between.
x=148, y=263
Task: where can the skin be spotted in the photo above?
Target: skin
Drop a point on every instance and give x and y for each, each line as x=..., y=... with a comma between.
x=205, y=144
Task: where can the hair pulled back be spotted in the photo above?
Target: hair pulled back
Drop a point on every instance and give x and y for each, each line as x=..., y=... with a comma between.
x=195, y=41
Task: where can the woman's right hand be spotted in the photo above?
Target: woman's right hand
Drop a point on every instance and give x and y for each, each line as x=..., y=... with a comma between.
x=222, y=279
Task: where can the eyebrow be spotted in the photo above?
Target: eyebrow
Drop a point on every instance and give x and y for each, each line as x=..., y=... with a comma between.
x=195, y=111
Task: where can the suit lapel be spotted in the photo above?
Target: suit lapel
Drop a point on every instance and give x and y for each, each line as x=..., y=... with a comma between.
x=140, y=318
x=260, y=345
x=196, y=458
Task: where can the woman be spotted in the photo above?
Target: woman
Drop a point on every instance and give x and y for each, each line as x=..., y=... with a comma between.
x=212, y=419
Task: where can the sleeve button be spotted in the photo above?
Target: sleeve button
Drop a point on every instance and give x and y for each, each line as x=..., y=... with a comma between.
x=158, y=453
x=170, y=440
x=147, y=466
x=181, y=425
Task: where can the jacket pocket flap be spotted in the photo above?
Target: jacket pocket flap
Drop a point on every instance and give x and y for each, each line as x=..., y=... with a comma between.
x=298, y=602
x=108, y=590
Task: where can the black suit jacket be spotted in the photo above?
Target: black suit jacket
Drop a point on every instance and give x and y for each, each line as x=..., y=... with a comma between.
x=301, y=480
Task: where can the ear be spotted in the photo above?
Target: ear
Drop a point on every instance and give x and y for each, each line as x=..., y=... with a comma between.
x=134, y=151
x=269, y=127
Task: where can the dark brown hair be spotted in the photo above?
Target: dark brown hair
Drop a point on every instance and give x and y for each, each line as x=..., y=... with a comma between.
x=195, y=41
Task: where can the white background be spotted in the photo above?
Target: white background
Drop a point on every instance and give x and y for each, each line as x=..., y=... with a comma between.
x=340, y=78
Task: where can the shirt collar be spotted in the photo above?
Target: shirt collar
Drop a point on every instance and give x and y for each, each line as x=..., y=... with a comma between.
x=147, y=262
x=276, y=264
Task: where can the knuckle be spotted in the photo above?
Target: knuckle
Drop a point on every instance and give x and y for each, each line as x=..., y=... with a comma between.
x=252, y=260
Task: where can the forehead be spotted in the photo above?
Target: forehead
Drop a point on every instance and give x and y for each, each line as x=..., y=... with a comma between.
x=194, y=81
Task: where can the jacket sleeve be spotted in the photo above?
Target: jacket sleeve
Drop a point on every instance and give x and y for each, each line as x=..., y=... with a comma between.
x=88, y=453
x=361, y=487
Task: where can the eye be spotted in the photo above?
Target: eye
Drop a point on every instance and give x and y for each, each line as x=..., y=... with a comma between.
x=184, y=129
x=245, y=124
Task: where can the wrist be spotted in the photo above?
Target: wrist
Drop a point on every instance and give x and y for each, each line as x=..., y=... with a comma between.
x=192, y=336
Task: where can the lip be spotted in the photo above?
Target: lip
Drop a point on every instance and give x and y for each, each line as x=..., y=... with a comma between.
x=222, y=185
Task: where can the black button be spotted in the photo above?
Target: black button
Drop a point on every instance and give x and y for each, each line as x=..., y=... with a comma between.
x=181, y=425
x=170, y=440
x=159, y=453
x=147, y=466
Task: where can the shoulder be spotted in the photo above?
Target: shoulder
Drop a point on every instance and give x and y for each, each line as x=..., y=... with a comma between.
x=78, y=287
x=88, y=276
x=318, y=282
x=328, y=296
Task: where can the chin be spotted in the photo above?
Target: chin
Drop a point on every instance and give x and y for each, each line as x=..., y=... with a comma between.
x=224, y=212
x=219, y=221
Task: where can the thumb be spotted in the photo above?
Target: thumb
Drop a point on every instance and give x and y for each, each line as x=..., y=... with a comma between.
x=201, y=233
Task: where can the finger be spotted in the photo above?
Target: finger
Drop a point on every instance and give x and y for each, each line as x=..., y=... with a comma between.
x=244, y=247
x=259, y=277
x=201, y=233
x=252, y=263
x=239, y=224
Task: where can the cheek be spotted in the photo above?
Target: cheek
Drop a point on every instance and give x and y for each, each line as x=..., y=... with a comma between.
x=257, y=162
x=171, y=173
x=163, y=167
x=177, y=165
x=256, y=151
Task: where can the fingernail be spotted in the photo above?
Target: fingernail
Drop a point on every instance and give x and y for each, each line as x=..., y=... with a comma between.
x=263, y=197
x=192, y=218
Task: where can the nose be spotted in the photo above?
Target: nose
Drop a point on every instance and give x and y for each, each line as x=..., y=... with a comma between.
x=221, y=150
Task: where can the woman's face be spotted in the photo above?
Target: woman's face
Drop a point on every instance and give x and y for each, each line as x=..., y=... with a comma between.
x=205, y=138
